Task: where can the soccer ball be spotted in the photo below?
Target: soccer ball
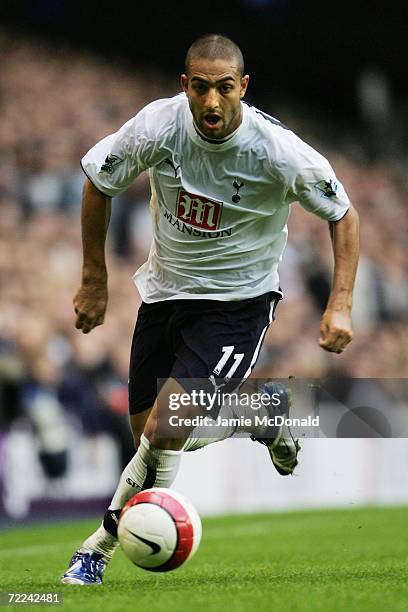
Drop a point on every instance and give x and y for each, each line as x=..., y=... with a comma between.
x=159, y=529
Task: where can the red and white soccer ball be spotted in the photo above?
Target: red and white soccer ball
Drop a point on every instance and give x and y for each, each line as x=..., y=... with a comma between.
x=159, y=529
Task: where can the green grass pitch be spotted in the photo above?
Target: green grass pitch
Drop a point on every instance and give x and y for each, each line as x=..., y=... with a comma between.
x=336, y=560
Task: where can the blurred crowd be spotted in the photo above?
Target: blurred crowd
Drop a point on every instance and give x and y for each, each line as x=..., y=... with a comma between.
x=54, y=106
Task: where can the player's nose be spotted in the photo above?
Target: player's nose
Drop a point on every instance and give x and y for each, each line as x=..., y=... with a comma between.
x=212, y=100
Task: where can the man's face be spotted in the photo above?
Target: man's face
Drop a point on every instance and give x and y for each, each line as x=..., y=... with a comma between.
x=214, y=89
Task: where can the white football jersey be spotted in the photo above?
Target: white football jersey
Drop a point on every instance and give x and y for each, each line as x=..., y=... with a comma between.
x=219, y=210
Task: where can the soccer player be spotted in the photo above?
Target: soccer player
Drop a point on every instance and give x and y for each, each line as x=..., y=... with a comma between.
x=223, y=175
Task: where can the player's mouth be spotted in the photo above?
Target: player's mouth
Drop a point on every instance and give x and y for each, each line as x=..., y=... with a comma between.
x=212, y=121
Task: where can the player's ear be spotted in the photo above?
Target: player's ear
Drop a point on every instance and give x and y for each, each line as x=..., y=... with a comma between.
x=244, y=85
x=184, y=82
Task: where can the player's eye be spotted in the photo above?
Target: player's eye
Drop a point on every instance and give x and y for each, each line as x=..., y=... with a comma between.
x=226, y=88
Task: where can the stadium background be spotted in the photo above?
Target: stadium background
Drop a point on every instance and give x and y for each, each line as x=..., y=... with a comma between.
x=73, y=72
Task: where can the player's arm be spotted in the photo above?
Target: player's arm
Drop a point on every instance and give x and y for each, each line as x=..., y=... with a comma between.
x=336, y=329
x=91, y=298
x=111, y=166
x=313, y=182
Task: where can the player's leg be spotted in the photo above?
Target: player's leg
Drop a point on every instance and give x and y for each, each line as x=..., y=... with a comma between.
x=155, y=464
x=156, y=461
x=104, y=539
x=89, y=561
x=151, y=359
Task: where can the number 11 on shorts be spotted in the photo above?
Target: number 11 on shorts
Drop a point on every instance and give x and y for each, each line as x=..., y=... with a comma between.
x=227, y=353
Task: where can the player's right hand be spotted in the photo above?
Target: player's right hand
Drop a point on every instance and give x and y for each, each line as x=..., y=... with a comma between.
x=90, y=304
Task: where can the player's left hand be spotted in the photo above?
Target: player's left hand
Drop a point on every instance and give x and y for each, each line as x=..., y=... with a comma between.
x=335, y=330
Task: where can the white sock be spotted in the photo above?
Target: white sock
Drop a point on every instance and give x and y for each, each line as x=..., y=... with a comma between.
x=150, y=467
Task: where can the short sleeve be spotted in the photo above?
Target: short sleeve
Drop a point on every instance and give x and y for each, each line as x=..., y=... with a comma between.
x=314, y=184
x=115, y=161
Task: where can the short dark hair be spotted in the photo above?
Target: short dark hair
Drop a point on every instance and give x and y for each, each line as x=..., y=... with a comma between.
x=212, y=47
